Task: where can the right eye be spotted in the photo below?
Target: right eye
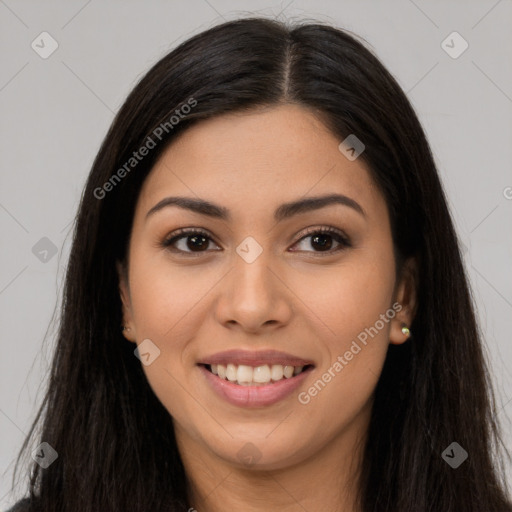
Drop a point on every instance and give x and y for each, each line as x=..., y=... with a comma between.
x=193, y=238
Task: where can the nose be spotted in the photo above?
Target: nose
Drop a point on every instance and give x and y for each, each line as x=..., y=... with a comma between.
x=254, y=297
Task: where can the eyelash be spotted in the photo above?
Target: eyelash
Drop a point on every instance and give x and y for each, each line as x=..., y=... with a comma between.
x=338, y=236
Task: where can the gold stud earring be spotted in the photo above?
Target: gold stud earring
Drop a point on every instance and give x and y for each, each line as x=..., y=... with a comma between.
x=406, y=330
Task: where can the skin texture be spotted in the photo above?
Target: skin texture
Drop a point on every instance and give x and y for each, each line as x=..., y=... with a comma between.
x=294, y=297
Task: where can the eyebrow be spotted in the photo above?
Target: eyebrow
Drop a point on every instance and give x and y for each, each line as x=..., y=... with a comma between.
x=285, y=211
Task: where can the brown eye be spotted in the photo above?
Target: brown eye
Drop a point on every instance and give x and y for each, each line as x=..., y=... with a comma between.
x=194, y=241
x=323, y=239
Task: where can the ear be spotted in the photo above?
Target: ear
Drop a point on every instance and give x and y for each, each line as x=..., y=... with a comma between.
x=406, y=297
x=124, y=291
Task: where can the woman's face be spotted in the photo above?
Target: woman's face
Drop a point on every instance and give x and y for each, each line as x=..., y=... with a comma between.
x=263, y=290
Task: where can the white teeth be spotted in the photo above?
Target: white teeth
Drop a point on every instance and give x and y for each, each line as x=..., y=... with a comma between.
x=244, y=374
x=252, y=376
x=288, y=371
x=277, y=372
x=261, y=374
x=230, y=372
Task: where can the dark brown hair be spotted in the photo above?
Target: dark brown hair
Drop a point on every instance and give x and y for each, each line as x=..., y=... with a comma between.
x=114, y=438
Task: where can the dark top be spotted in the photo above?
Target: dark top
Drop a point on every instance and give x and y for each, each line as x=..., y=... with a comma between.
x=20, y=506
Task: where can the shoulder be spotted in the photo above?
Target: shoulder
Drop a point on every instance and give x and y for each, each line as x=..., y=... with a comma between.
x=20, y=506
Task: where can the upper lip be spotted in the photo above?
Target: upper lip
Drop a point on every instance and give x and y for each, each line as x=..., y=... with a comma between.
x=255, y=358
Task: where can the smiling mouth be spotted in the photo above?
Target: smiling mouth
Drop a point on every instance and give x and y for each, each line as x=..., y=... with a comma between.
x=245, y=375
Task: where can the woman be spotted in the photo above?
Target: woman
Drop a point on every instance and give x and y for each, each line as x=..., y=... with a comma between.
x=265, y=306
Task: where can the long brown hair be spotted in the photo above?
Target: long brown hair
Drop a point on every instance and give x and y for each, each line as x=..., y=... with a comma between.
x=115, y=440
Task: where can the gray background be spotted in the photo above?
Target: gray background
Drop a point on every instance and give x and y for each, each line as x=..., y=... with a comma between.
x=56, y=111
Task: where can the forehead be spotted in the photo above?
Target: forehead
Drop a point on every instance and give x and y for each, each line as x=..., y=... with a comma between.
x=249, y=161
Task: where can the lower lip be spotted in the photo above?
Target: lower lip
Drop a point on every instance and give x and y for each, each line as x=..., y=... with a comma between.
x=254, y=396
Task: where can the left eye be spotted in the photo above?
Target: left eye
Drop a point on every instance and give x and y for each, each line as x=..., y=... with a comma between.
x=320, y=238
x=197, y=241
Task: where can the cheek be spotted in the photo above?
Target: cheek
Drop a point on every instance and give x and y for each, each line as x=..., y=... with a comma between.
x=165, y=297
x=349, y=302
x=166, y=308
x=347, y=299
